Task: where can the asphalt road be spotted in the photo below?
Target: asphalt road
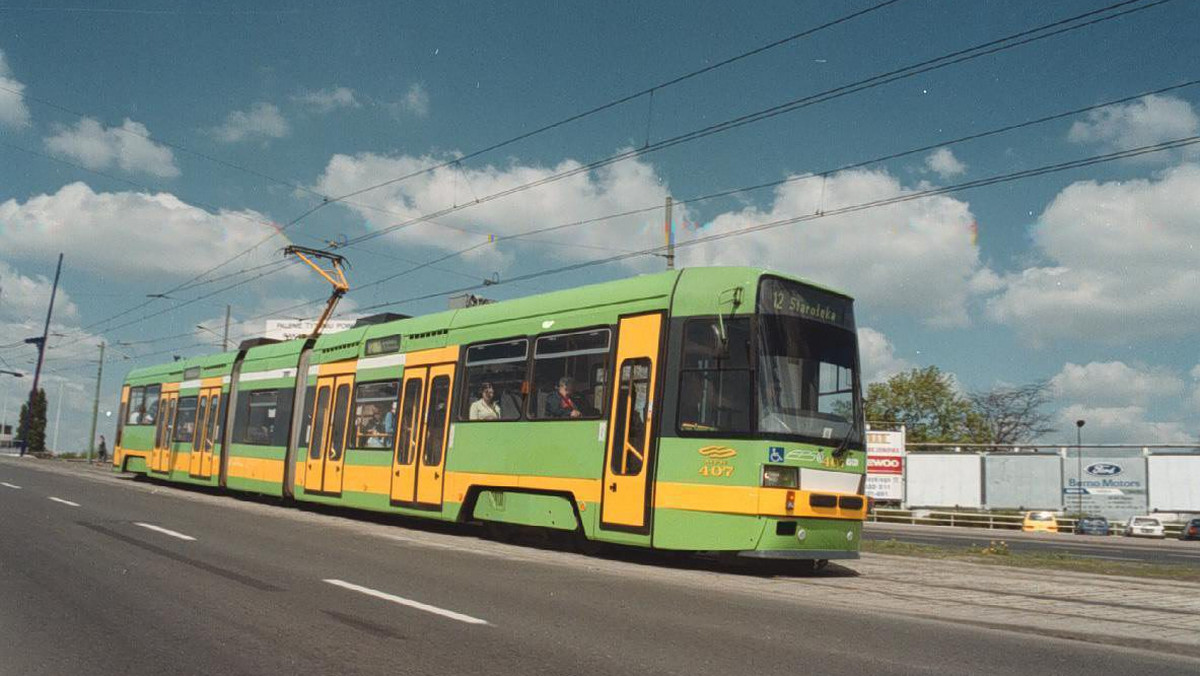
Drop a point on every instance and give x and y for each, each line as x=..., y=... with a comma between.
x=1141, y=550
x=101, y=576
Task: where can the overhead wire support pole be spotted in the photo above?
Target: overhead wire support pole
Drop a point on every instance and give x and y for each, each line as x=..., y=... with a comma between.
x=334, y=275
x=41, y=344
x=96, y=404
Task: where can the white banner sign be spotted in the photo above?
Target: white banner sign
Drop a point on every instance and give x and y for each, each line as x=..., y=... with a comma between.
x=289, y=329
x=885, y=465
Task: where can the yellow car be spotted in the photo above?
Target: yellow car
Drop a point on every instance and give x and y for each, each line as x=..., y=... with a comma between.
x=1040, y=522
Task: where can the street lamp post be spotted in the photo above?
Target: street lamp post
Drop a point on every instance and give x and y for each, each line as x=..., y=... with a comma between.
x=1079, y=467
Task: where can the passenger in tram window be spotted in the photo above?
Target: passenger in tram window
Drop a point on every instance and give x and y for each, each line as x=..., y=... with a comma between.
x=566, y=403
x=485, y=407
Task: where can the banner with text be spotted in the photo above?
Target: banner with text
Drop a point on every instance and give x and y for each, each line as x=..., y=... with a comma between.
x=885, y=465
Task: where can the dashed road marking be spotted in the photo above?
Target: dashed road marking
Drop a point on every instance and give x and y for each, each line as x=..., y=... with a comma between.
x=407, y=602
x=65, y=502
x=8, y=485
x=164, y=531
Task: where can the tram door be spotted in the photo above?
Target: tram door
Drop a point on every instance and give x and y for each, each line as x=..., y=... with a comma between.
x=327, y=446
x=201, y=461
x=419, y=467
x=630, y=439
x=160, y=457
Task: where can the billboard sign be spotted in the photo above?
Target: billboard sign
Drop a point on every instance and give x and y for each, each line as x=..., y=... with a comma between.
x=885, y=465
x=290, y=329
x=1111, y=486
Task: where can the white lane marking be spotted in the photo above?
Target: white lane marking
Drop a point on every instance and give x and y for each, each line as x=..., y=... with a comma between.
x=8, y=485
x=407, y=602
x=65, y=502
x=164, y=531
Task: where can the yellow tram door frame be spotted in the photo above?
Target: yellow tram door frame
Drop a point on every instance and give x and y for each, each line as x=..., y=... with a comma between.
x=409, y=433
x=314, y=465
x=431, y=462
x=200, y=461
x=118, y=454
x=626, y=498
x=339, y=430
x=164, y=429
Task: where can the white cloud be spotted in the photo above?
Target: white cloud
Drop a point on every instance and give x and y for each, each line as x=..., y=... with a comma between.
x=943, y=163
x=1121, y=263
x=1122, y=424
x=128, y=232
x=328, y=100
x=263, y=120
x=416, y=100
x=24, y=298
x=1114, y=383
x=913, y=257
x=612, y=189
x=878, y=357
x=13, y=111
x=1151, y=119
x=128, y=146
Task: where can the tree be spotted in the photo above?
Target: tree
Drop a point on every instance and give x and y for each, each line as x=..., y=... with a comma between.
x=929, y=404
x=1013, y=415
x=31, y=428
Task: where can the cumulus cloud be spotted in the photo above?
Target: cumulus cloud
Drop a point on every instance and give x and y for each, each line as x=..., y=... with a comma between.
x=416, y=100
x=878, y=357
x=122, y=232
x=611, y=189
x=1151, y=119
x=1114, y=383
x=13, y=111
x=98, y=147
x=913, y=257
x=1122, y=424
x=1121, y=263
x=261, y=121
x=328, y=100
x=943, y=163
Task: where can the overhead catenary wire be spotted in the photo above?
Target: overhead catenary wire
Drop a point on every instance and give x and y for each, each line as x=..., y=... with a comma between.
x=1012, y=41
x=993, y=46
x=743, y=189
x=874, y=204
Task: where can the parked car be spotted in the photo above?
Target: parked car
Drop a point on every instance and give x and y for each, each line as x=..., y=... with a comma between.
x=1040, y=522
x=1145, y=527
x=1091, y=525
x=1190, y=530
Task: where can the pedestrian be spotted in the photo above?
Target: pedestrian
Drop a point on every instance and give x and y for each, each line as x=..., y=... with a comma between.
x=102, y=450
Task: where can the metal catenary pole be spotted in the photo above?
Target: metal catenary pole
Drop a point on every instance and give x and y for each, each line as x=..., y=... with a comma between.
x=41, y=343
x=225, y=339
x=669, y=234
x=96, y=404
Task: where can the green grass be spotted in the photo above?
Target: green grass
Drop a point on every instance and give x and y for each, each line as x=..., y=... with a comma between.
x=997, y=553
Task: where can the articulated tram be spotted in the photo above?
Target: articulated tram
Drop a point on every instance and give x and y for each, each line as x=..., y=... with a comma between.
x=704, y=409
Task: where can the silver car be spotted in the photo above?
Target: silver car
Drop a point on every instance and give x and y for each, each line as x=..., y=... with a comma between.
x=1145, y=527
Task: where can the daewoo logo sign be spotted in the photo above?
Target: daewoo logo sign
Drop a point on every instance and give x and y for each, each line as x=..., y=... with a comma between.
x=1104, y=469
x=718, y=452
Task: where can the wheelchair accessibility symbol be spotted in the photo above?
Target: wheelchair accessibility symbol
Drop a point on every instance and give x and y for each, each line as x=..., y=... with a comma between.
x=775, y=454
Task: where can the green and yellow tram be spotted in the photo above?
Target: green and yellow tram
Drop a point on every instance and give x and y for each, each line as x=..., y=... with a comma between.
x=705, y=409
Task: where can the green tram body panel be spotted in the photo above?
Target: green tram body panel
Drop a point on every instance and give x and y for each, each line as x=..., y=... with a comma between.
x=506, y=455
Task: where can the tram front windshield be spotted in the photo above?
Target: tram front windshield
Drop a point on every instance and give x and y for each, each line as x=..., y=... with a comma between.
x=807, y=365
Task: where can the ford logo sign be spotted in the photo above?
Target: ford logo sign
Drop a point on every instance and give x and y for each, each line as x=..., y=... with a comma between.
x=1104, y=469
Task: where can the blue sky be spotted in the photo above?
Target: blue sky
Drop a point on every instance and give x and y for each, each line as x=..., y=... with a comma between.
x=1085, y=277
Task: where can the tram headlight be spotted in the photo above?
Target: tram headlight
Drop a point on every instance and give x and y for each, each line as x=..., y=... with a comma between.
x=778, y=476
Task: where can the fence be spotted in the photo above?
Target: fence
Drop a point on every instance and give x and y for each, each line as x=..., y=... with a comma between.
x=986, y=520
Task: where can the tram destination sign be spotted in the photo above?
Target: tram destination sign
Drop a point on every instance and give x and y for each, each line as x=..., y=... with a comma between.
x=781, y=297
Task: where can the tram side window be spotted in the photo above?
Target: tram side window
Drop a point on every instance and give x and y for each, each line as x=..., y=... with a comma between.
x=185, y=420
x=137, y=406
x=263, y=417
x=375, y=414
x=495, y=381
x=633, y=400
x=569, y=375
x=153, y=392
x=306, y=428
x=715, y=383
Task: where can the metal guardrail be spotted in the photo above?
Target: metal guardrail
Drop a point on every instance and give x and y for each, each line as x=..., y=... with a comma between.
x=987, y=521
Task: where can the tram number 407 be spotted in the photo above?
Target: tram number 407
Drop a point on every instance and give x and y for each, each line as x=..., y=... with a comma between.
x=716, y=468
